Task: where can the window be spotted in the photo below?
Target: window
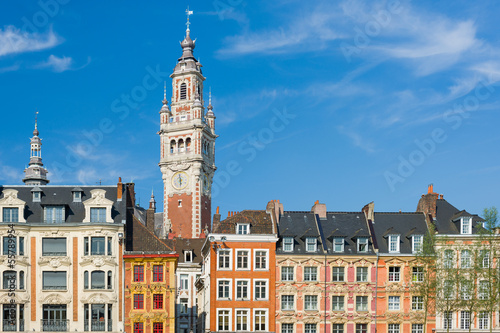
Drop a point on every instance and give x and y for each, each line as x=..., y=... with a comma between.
x=10, y=215
x=417, y=274
x=9, y=280
x=54, y=280
x=97, y=246
x=157, y=301
x=484, y=320
x=138, y=273
x=466, y=226
x=54, y=214
x=466, y=289
x=260, y=290
x=448, y=259
x=310, y=328
x=447, y=320
x=86, y=280
x=310, y=302
x=10, y=245
x=110, y=279
x=260, y=259
x=110, y=246
x=310, y=273
x=287, y=273
x=138, y=327
x=464, y=320
x=393, y=243
x=184, y=305
x=243, y=229
x=361, y=303
x=448, y=289
x=224, y=259
x=242, y=320
x=417, y=302
x=98, y=215
x=157, y=273
x=138, y=301
x=393, y=328
x=21, y=280
x=394, y=274
x=223, y=320
x=465, y=260
x=188, y=256
x=338, y=303
x=338, y=274
x=417, y=328
x=260, y=320
x=338, y=244
x=287, y=302
x=224, y=289
x=184, y=280
x=361, y=328
x=417, y=241
x=242, y=259
x=362, y=244
x=36, y=196
x=361, y=274
x=77, y=196
x=183, y=90
x=393, y=303
x=484, y=290
x=241, y=289
x=286, y=328
x=485, y=258
x=97, y=280
x=288, y=244
x=157, y=327
x=337, y=328
x=311, y=244
x=54, y=247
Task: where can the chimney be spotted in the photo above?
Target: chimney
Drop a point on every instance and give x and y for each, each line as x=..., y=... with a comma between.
x=427, y=203
x=319, y=209
x=119, y=189
x=275, y=208
x=216, y=220
x=369, y=211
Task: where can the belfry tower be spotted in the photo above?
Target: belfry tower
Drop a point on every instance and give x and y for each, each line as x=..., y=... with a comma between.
x=187, y=136
x=35, y=173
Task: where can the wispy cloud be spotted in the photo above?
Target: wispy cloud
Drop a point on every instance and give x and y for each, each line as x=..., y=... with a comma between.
x=356, y=139
x=11, y=68
x=13, y=40
x=57, y=64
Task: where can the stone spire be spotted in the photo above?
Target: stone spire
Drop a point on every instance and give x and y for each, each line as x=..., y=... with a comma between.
x=35, y=173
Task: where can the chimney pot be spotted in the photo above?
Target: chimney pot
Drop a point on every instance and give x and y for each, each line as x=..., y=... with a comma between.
x=217, y=211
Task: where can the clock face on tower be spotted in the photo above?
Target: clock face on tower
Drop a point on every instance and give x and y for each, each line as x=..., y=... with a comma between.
x=180, y=180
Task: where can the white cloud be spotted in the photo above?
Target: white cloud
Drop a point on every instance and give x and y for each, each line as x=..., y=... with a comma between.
x=57, y=64
x=13, y=40
x=12, y=68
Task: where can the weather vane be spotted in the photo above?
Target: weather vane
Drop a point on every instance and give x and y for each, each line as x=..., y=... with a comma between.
x=188, y=12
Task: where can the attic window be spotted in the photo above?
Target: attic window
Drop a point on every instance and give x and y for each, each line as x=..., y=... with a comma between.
x=243, y=229
x=416, y=244
x=288, y=244
x=393, y=243
x=188, y=256
x=311, y=244
x=338, y=244
x=465, y=228
x=36, y=196
x=77, y=196
x=362, y=244
x=183, y=90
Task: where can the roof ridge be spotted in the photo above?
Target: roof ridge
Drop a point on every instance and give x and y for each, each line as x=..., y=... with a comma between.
x=158, y=239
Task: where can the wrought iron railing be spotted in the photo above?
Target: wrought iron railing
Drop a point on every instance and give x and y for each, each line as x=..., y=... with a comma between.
x=10, y=325
x=98, y=325
x=55, y=325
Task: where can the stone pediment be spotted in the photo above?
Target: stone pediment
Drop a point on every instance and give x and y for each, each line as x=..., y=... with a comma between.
x=54, y=261
x=362, y=262
x=286, y=262
x=99, y=298
x=394, y=317
x=56, y=299
x=10, y=198
x=311, y=262
x=98, y=198
x=395, y=261
x=19, y=297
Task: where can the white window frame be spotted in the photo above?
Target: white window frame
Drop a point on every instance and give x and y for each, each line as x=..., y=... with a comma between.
x=417, y=241
x=466, y=225
x=367, y=303
x=230, y=286
x=230, y=259
x=315, y=304
x=10, y=200
x=394, y=303
x=464, y=320
x=186, y=253
x=98, y=200
x=341, y=242
x=358, y=270
x=393, y=328
x=293, y=303
x=483, y=320
x=362, y=241
x=417, y=303
x=304, y=272
x=266, y=285
x=417, y=328
x=249, y=260
x=183, y=283
x=311, y=241
x=293, y=273
x=37, y=196
x=286, y=330
x=245, y=228
x=247, y=315
x=266, y=311
x=255, y=259
x=230, y=317
x=465, y=260
x=394, y=274
x=77, y=196
x=417, y=274
x=338, y=297
x=448, y=320
x=248, y=286
x=288, y=241
x=393, y=240
x=335, y=273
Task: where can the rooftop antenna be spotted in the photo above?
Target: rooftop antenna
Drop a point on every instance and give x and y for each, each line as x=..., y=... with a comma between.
x=164, y=89
x=36, y=119
x=99, y=182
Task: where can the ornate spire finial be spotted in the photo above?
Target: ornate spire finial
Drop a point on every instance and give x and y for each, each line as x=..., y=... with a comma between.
x=164, y=89
x=188, y=13
x=35, y=131
x=210, y=107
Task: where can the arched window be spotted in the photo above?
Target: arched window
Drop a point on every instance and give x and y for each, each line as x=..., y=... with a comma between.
x=188, y=145
x=97, y=280
x=183, y=90
x=181, y=146
x=172, y=146
x=9, y=280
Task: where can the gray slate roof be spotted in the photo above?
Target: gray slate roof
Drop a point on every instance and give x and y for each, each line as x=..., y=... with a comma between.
x=446, y=215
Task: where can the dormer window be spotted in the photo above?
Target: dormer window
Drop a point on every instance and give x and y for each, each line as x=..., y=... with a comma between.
x=243, y=229
x=54, y=214
x=416, y=244
x=393, y=243
x=466, y=225
x=338, y=244
x=37, y=194
x=12, y=208
x=10, y=214
x=98, y=208
x=188, y=256
x=362, y=244
x=77, y=194
x=311, y=244
x=98, y=215
x=288, y=244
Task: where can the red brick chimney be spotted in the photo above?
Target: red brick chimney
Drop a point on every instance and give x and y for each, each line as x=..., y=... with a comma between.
x=319, y=209
x=427, y=203
x=119, y=189
x=369, y=211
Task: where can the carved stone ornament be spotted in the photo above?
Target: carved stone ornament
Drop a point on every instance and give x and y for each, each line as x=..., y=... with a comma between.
x=394, y=288
x=312, y=319
x=287, y=289
x=289, y=319
x=54, y=233
x=98, y=298
x=362, y=318
x=54, y=262
x=10, y=198
x=363, y=289
x=312, y=289
x=394, y=317
x=178, y=167
x=339, y=318
x=417, y=316
x=98, y=261
x=56, y=299
x=339, y=288
x=20, y=297
x=20, y=260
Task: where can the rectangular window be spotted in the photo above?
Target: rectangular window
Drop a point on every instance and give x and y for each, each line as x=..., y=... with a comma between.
x=448, y=291
x=286, y=328
x=241, y=289
x=394, y=274
x=362, y=274
x=338, y=303
x=36, y=196
x=287, y=273
x=361, y=303
x=311, y=244
x=485, y=258
x=464, y=320
x=243, y=229
x=54, y=214
x=157, y=273
x=484, y=290
x=54, y=247
x=417, y=328
x=287, y=302
x=361, y=328
x=466, y=289
x=242, y=320
x=311, y=302
x=260, y=260
x=338, y=274
x=288, y=244
x=138, y=327
x=260, y=320
x=223, y=320
x=11, y=214
x=337, y=328
x=260, y=290
x=188, y=256
x=157, y=327
x=310, y=274
x=184, y=280
x=138, y=273
x=138, y=301
x=157, y=301
x=417, y=302
x=77, y=196
x=466, y=225
x=484, y=320
x=224, y=259
x=393, y=303
x=465, y=260
x=417, y=274
x=448, y=259
x=10, y=245
x=224, y=289
x=310, y=328
x=417, y=241
x=97, y=246
x=393, y=243
x=9, y=280
x=242, y=259
x=338, y=244
x=184, y=305
x=98, y=215
x=97, y=280
x=54, y=280
x=362, y=244
x=447, y=320
x=393, y=328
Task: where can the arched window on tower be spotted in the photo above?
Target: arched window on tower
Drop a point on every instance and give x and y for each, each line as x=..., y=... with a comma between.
x=183, y=90
x=181, y=146
x=188, y=145
x=172, y=146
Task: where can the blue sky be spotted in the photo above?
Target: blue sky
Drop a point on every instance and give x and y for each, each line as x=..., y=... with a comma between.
x=345, y=102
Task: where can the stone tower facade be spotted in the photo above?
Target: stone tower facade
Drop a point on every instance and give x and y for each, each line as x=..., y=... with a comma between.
x=35, y=173
x=187, y=136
